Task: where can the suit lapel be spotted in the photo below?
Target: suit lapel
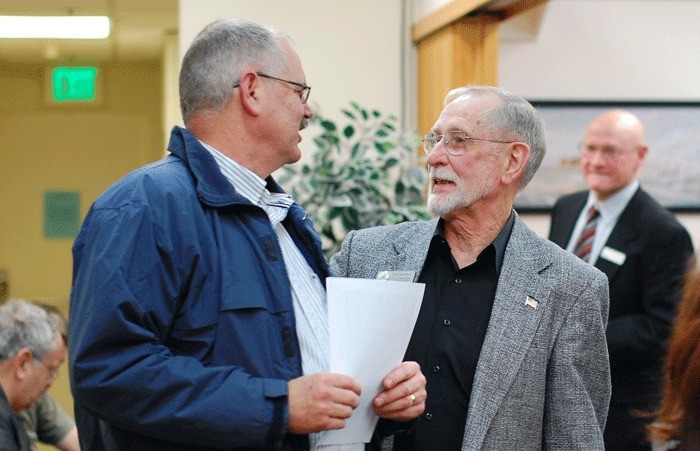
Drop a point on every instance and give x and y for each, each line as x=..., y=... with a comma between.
x=561, y=232
x=411, y=251
x=622, y=237
x=511, y=329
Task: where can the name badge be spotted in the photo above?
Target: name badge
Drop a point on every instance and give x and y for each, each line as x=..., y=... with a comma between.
x=399, y=276
x=613, y=255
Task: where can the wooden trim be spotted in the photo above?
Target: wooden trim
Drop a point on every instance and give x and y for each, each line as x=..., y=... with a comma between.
x=465, y=52
x=444, y=16
x=521, y=6
x=457, y=9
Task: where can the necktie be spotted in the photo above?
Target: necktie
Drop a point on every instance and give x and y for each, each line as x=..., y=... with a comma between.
x=585, y=243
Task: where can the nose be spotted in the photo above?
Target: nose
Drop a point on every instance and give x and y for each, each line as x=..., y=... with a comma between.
x=308, y=112
x=597, y=158
x=438, y=157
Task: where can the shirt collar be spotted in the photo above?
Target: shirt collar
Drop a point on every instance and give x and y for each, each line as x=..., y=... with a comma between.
x=613, y=206
x=246, y=182
x=499, y=243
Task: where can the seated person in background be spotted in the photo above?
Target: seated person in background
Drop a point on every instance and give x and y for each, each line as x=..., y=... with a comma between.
x=31, y=350
x=46, y=421
x=677, y=425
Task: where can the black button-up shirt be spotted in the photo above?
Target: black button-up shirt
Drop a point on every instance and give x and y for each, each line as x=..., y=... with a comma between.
x=448, y=337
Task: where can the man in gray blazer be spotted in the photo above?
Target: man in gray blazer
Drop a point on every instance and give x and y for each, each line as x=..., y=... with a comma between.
x=511, y=332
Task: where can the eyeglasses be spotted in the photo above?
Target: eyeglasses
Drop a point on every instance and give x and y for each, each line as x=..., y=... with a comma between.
x=303, y=93
x=455, y=142
x=52, y=370
x=607, y=152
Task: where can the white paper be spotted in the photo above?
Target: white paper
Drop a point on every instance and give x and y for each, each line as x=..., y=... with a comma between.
x=370, y=322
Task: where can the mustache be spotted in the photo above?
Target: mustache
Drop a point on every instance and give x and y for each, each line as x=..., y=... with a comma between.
x=443, y=174
x=304, y=123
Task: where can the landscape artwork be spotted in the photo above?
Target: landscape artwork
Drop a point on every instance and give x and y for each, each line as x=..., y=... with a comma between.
x=671, y=173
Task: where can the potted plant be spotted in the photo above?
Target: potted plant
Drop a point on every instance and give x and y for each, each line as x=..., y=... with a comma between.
x=363, y=174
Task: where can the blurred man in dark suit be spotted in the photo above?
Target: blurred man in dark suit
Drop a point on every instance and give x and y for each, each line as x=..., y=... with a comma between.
x=643, y=250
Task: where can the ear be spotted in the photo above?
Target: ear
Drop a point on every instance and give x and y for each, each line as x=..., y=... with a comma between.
x=519, y=155
x=23, y=363
x=642, y=150
x=249, y=92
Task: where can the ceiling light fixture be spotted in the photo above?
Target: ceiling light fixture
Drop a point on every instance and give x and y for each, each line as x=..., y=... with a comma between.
x=54, y=27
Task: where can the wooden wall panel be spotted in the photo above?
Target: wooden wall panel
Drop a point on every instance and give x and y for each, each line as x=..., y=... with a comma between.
x=464, y=52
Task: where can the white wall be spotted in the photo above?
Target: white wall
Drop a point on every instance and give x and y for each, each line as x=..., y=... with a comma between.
x=605, y=50
x=350, y=50
x=422, y=8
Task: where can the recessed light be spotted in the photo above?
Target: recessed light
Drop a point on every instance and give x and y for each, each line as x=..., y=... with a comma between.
x=54, y=27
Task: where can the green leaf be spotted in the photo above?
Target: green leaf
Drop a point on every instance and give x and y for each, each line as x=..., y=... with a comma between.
x=334, y=213
x=355, y=150
x=381, y=133
x=328, y=125
x=348, y=114
x=349, y=131
x=389, y=126
x=376, y=113
x=365, y=116
x=380, y=147
x=390, y=163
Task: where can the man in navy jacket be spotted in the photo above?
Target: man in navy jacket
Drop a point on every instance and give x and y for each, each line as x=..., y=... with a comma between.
x=198, y=305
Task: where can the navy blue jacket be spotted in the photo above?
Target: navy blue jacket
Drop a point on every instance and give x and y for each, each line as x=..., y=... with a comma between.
x=182, y=330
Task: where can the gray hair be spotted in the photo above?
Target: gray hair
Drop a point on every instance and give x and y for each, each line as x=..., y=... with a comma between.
x=25, y=325
x=217, y=57
x=514, y=116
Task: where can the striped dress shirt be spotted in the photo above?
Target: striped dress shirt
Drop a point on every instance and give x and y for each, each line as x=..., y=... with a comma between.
x=308, y=294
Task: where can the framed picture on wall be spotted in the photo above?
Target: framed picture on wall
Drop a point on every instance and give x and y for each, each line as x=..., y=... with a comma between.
x=672, y=170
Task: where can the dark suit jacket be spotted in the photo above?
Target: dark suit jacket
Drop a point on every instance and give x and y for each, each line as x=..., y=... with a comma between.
x=644, y=290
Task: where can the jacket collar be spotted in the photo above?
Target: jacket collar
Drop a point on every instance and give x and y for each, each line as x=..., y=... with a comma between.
x=212, y=187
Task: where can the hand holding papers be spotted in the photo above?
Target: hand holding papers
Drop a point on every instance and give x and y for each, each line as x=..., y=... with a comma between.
x=371, y=322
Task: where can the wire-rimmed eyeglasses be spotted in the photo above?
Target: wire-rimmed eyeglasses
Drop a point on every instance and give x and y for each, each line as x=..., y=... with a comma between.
x=607, y=152
x=455, y=142
x=303, y=93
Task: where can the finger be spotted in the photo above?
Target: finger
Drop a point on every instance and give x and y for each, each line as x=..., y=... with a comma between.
x=404, y=389
x=334, y=423
x=347, y=398
x=346, y=382
x=404, y=371
x=395, y=411
x=341, y=411
x=404, y=403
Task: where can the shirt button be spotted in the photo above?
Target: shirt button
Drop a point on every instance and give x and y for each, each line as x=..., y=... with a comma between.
x=458, y=280
x=428, y=416
x=446, y=322
x=436, y=369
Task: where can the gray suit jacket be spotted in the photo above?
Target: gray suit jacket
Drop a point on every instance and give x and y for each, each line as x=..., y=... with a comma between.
x=543, y=377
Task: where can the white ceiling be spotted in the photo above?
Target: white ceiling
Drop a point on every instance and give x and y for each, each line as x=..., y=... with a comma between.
x=138, y=28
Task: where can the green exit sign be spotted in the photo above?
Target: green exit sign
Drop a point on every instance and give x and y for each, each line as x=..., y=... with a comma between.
x=74, y=84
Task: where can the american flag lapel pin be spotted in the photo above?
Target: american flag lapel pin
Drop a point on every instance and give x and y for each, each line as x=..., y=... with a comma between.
x=532, y=302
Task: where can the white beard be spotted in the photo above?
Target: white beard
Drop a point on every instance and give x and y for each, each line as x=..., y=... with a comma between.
x=461, y=197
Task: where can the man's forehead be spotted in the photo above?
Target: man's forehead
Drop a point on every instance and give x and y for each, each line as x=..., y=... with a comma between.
x=463, y=112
